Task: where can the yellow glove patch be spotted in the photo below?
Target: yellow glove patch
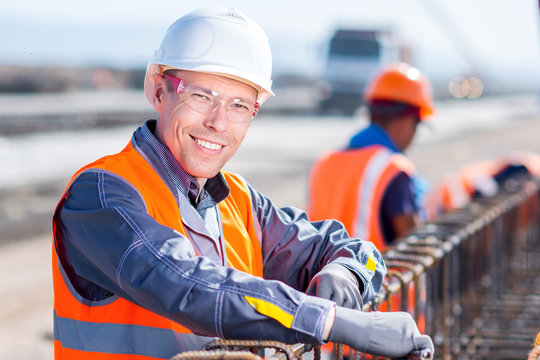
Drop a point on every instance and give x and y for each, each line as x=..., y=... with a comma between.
x=371, y=263
x=271, y=311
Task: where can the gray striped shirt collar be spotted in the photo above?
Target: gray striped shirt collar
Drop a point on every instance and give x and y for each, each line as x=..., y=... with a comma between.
x=215, y=189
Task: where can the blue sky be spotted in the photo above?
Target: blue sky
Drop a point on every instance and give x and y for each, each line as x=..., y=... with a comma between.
x=447, y=38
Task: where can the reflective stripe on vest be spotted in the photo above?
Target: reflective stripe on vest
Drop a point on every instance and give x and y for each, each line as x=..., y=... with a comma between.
x=116, y=328
x=110, y=338
x=366, y=192
x=349, y=186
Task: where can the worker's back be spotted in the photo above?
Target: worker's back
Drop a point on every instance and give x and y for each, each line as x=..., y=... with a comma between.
x=349, y=186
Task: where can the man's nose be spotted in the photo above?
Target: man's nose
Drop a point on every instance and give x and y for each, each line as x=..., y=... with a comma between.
x=218, y=118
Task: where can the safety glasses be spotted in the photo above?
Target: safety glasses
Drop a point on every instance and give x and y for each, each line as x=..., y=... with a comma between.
x=206, y=101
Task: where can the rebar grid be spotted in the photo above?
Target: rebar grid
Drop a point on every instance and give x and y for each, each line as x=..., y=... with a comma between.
x=470, y=278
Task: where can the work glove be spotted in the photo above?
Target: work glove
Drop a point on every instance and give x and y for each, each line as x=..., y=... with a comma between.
x=337, y=283
x=388, y=334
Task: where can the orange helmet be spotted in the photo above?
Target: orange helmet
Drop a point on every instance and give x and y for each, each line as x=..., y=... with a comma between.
x=402, y=83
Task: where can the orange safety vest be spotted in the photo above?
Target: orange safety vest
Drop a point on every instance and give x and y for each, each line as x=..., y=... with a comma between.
x=456, y=190
x=121, y=323
x=349, y=186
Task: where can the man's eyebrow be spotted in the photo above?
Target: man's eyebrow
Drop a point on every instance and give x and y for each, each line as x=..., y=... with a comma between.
x=199, y=88
x=240, y=98
x=211, y=92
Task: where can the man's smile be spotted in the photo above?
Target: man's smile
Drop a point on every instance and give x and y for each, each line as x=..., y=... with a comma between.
x=207, y=144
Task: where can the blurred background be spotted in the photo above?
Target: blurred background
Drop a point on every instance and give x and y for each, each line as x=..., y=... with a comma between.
x=65, y=45
x=71, y=76
x=66, y=65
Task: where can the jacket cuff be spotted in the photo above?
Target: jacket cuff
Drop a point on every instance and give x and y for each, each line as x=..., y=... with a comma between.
x=370, y=271
x=310, y=318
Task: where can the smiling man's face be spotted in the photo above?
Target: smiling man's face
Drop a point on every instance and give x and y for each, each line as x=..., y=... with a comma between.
x=202, y=143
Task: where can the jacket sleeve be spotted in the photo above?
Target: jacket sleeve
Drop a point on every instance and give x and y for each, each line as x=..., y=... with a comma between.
x=295, y=249
x=108, y=244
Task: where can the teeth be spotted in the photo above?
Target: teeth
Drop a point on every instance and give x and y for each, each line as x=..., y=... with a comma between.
x=208, y=145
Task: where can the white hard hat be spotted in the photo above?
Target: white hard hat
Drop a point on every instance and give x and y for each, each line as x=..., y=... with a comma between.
x=219, y=41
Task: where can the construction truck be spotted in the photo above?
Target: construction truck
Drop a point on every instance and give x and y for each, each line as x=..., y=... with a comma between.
x=353, y=57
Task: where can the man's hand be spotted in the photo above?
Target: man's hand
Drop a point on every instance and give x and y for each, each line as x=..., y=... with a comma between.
x=337, y=283
x=389, y=334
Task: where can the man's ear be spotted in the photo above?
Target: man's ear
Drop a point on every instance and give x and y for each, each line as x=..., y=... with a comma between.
x=159, y=92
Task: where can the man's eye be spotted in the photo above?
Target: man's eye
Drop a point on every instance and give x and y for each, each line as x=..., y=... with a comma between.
x=239, y=107
x=201, y=97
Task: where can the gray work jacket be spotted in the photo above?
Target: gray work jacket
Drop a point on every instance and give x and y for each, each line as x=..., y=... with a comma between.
x=109, y=240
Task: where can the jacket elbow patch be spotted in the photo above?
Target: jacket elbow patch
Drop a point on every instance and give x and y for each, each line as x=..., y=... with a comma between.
x=271, y=310
x=371, y=262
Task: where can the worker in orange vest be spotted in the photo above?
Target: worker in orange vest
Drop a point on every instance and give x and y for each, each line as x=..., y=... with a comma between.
x=157, y=250
x=480, y=179
x=370, y=186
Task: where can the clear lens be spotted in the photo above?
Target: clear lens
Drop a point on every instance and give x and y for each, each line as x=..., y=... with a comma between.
x=207, y=101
